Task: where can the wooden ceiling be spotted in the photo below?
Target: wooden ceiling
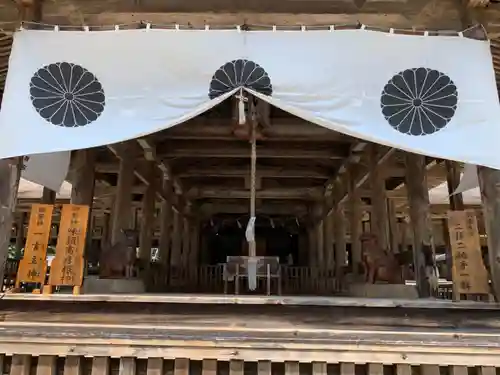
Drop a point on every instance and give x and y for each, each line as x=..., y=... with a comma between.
x=297, y=160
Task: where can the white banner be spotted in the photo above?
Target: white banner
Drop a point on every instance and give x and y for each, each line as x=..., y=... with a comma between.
x=48, y=170
x=69, y=89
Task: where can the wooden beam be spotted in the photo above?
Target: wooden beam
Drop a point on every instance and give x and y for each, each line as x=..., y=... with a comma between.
x=243, y=151
x=208, y=209
x=362, y=172
x=277, y=193
x=281, y=130
x=263, y=171
x=140, y=172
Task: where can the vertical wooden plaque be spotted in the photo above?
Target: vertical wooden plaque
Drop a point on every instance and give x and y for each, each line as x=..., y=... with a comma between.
x=33, y=266
x=68, y=264
x=469, y=273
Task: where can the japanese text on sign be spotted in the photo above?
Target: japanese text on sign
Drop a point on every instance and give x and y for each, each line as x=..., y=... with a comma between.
x=68, y=264
x=469, y=273
x=33, y=266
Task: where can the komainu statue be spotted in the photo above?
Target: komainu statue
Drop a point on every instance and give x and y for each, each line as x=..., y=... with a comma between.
x=378, y=263
x=118, y=260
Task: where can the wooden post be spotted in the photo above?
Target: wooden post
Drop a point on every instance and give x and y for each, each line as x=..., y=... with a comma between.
x=356, y=225
x=340, y=245
x=83, y=183
x=453, y=180
x=48, y=196
x=456, y=204
x=489, y=182
x=328, y=228
x=122, y=210
x=175, y=256
x=319, y=244
x=186, y=240
x=378, y=199
x=393, y=226
x=21, y=219
x=313, y=258
x=10, y=173
x=423, y=243
x=318, y=229
x=166, y=224
x=194, y=254
x=147, y=219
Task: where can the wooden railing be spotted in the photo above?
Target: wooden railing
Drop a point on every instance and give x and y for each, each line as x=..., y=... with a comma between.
x=209, y=279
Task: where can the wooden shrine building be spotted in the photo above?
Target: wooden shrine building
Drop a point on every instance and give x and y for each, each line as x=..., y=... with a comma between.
x=186, y=189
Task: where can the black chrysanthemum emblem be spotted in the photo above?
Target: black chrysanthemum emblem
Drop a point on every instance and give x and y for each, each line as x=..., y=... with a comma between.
x=419, y=101
x=240, y=73
x=67, y=95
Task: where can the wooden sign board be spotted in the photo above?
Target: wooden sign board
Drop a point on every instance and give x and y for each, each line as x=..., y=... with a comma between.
x=468, y=271
x=68, y=264
x=33, y=266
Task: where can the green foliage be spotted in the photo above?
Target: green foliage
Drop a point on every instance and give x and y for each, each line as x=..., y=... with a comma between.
x=15, y=253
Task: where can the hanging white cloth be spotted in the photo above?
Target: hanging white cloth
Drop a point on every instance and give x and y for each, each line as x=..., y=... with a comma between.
x=468, y=180
x=74, y=89
x=250, y=231
x=49, y=170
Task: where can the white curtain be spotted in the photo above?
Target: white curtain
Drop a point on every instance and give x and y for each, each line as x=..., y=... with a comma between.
x=49, y=170
x=74, y=89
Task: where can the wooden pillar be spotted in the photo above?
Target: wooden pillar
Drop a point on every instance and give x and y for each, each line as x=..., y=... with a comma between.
x=186, y=240
x=356, y=225
x=456, y=204
x=166, y=223
x=83, y=183
x=453, y=180
x=48, y=196
x=194, y=253
x=105, y=238
x=10, y=173
x=340, y=245
x=313, y=255
x=489, y=183
x=319, y=244
x=319, y=232
x=175, y=256
x=420, y=219
x=122, y=210
x=21, y=219
x=378, y=199
x=148, y=218
x=328, y=228
x=393, y=226
x=302, y=244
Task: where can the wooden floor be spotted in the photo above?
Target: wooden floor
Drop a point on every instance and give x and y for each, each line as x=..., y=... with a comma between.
x=409, y=335
x=254, y=300
x=330, y=334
